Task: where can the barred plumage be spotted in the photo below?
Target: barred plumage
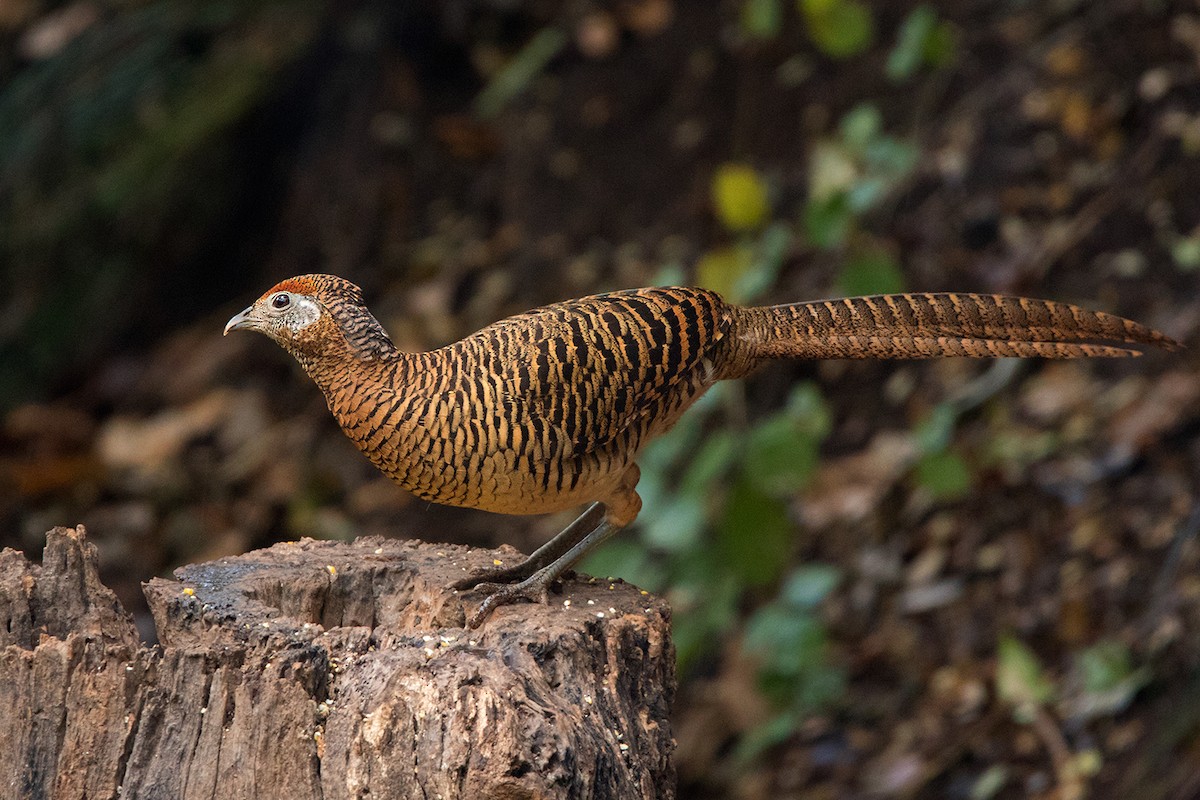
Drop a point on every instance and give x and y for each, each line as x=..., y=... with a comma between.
x=548, y=410
x=902, y=326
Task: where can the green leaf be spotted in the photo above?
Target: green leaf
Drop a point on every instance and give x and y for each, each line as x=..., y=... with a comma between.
x=909, y=53
x=711, y=612
x=740, y=197
x=820, y=685
x=866, y=192
x=677, y=525
x=755, y=536
x=922, y=40
x=715, y=457
x=941, y=47
x=807, y=586
x=744, y=271
x=792, y=648
x=890, y=158
x=780, y=457
x=1109, y=679
x=762, y=19
x=871, y=271
x=763, y=737
x=989, y=784
x=935, y=432
x=1186, y=252
x=839, y=28
x=1020, y=680
x=786, y=642
x=769, y=254
x=809, y=409
x=1104, y=665
x=861, y=126
x=945, y=474
x=516, y=76
x=827, y=222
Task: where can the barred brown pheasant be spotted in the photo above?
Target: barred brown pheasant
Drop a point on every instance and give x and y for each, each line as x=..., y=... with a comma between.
x=547, y=410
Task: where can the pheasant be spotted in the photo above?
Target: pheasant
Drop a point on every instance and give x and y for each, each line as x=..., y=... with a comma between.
x=547, y=410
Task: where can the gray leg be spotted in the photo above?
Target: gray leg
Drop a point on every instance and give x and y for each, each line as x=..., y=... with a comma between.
x=548, y=553
x=534, y=587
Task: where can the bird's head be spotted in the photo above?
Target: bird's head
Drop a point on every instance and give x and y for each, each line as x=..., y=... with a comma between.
x=312, y=316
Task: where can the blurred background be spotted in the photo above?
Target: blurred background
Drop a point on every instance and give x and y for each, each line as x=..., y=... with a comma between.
x=952, y=579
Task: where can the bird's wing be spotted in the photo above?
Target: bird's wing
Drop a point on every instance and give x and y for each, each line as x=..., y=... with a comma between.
x=580, y=374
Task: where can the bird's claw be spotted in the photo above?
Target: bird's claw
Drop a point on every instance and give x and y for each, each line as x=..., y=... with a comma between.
x=502, y=594
x=495, y=577
x=469, y=582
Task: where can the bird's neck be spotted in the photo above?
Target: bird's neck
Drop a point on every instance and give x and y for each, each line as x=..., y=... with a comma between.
x=354, y=348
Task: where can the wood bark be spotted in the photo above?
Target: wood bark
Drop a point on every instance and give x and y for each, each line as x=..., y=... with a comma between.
x=328, y=670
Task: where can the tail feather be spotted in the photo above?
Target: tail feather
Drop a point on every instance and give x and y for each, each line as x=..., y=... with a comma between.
x=909, y=326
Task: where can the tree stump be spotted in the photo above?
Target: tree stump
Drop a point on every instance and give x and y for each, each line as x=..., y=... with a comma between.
x=328, y=670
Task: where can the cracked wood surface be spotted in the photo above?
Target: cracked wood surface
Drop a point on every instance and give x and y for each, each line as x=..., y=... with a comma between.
x=328, y=670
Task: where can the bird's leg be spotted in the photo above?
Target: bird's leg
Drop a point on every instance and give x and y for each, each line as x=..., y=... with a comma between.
x=534, y=587
x=547, y=553
x=620, y=510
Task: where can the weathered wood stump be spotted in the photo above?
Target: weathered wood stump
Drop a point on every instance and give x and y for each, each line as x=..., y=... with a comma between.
x=328, y=670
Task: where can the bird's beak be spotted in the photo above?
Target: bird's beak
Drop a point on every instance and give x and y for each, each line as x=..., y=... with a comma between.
x=241, y=321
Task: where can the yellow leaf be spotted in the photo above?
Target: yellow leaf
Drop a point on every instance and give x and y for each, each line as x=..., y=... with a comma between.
x=720, y=269
x=740, y=197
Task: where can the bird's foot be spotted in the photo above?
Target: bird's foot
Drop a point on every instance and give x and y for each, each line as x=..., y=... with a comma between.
x=500, y=576
x=533, y=589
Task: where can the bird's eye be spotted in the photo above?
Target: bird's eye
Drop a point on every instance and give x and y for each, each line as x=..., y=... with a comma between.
x=281, y=300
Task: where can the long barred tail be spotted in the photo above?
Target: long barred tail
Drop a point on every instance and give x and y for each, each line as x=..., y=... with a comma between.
x=905, y=326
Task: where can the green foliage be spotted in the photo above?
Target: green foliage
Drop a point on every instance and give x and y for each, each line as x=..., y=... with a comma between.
x=791, y=645
x=989, y=784
x=1103, y=678
x=843, y=29
x=871, y=270
x=921, y=41
x=827, y=220
x=1186, y=253
x=1107, y=678
x=940, y=470
x=945, y=474
x=710, y=599
x=1104, y=681
x=754, y=535
x=762, y=19
x=519, y=72
x=779, y=457
x=1020, y=679
x=839, y=28
x=716, y=524
x=851, y=173
x=936, y=431
x=743, y=271
x=717, y=520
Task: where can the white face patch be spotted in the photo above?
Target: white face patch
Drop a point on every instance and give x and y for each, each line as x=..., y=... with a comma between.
x=304, y=312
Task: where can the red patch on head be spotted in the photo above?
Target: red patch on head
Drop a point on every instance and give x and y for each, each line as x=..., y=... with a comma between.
x=302, y=284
